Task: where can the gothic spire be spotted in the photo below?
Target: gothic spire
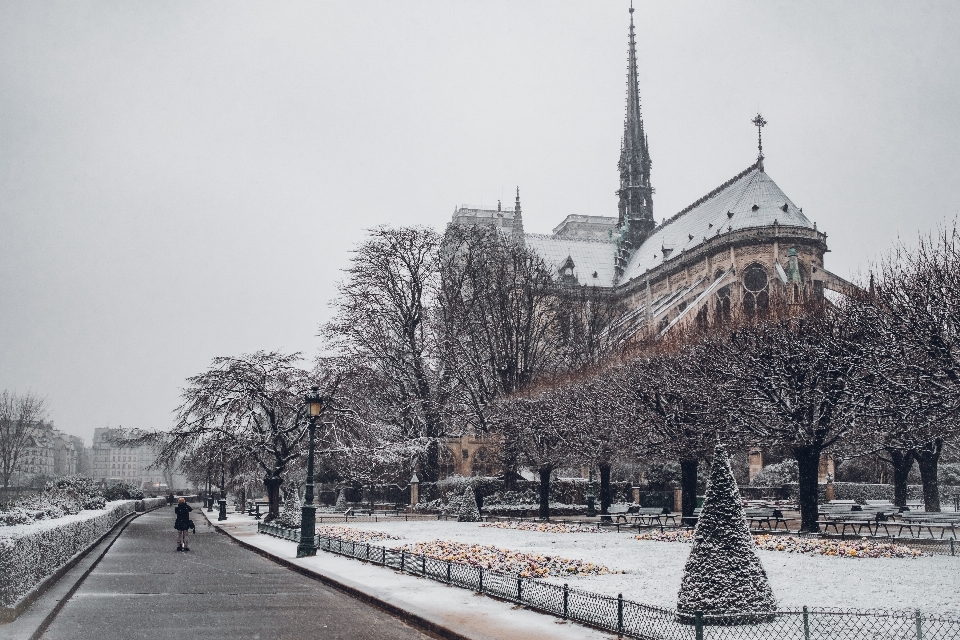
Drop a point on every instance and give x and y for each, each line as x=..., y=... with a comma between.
x=635, y=220
x=517, y=218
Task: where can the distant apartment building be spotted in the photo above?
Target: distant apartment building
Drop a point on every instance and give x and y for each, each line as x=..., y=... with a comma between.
x=110, y=463
x=50, y=452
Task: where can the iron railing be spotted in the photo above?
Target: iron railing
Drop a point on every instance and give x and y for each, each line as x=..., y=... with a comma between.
x=636, y=620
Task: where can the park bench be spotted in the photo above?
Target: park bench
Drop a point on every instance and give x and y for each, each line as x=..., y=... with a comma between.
x=770, y=517
x=833, y=514
x=618, y=512
x=649, y=516
x=691, y=521
x=928, y=520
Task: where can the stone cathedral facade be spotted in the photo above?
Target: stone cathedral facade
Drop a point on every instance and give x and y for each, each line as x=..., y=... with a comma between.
x=728, y=252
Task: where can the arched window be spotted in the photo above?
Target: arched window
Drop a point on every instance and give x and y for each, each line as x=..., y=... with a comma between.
x=721, y=310
x=755, y=296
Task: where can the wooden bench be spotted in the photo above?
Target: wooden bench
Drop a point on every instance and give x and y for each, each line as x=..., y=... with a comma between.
x=770, y=517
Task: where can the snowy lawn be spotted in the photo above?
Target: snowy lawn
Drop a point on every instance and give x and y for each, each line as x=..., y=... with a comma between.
x=652, y=570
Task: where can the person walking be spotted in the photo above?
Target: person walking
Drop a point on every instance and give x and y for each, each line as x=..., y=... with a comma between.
x=182, y=525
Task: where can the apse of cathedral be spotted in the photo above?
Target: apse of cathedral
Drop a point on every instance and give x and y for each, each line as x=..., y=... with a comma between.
x=728, y=252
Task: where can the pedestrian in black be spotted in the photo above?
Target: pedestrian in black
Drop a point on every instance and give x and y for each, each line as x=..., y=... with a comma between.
x=182, y=525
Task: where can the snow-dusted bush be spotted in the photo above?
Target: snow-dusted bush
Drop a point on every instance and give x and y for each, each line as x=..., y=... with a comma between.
x=949, y=474
x=469, y=512
x=30, y=553
x=723, y=574
x=777, y=475
x=123, y=491
x=292, y=511
x=341, y=504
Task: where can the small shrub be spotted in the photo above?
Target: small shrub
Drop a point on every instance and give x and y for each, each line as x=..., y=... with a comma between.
x=123, y=491
x=468, y=507
x=777, y=475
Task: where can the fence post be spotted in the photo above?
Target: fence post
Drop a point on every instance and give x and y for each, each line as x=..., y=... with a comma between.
x=566, y=598
x=519, y=589
x=698, y=623
x=806, y=624
x=403, y=555
x=448, y=571
x=620, y=614
x=952, y=545
x=423, y=565
x=480, y=590
x=919, y=625
x=368, y=552
x=383, y=555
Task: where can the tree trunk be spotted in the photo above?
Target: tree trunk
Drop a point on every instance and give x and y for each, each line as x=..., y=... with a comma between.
x=928, y=457
x=605, y=498
x=901, y=461
x=430, y=469
x=545, y=492
x=688, y=486
x=808, y=461
x=273, y=484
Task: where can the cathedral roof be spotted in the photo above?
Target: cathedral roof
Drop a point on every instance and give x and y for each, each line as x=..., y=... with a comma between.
x=588, y=256
x=749, y=200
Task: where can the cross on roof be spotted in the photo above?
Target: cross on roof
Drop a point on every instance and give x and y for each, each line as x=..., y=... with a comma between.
x=759, y=123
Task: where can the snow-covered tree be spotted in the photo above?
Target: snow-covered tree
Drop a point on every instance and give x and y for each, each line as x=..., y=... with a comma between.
x=292, y=509
x=723, y=574
x=799, y=382
x=341, y=504
x=469, y=512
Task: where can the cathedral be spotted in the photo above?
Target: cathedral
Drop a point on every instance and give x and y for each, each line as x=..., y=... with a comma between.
x=728, y=252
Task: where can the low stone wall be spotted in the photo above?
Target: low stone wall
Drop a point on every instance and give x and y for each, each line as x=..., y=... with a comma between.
x=30, y=553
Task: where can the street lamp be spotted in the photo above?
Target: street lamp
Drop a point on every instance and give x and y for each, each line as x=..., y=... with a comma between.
x=308, y=515
x=223, y=492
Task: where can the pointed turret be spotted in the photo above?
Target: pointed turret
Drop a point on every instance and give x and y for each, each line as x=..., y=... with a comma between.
x=517, y=219
x=635, y=221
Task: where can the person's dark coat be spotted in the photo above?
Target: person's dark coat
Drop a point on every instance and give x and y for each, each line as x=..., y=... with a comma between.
x=183, y=517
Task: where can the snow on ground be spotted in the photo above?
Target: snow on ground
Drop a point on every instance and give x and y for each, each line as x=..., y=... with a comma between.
x=652, y=570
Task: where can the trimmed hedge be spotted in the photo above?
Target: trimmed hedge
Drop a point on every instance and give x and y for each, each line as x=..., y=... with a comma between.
x=33, y=552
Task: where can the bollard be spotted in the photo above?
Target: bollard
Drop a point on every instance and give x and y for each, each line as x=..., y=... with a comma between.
x=620, y=614
x=698, y=622
x=806, y=624
x=566, y=599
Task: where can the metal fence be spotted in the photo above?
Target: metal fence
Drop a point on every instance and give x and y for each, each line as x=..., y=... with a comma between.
x=637, y=620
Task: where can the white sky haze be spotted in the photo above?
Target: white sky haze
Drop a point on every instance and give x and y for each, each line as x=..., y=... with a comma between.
x=183, y=180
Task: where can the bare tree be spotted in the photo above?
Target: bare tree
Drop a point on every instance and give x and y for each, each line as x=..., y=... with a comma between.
x=800, y=384
x=681, y=404
x=384, y=321
x=538, y=430
x=246, y=408
x=19, y=415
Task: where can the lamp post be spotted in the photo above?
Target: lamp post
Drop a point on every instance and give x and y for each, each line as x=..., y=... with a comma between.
x=223, y=492
x=308, y=514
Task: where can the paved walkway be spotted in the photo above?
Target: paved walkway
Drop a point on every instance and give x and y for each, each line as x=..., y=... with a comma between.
x=144, y=588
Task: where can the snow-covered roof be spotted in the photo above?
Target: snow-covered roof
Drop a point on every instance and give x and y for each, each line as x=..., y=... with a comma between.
x=589, y=256
x=749, y=200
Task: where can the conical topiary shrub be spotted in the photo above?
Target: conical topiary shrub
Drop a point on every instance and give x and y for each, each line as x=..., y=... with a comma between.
x=341, y=504
x=469, y=511
x=292, y=510
x=723, y=575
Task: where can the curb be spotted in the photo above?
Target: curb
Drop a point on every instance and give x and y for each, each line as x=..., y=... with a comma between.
x=414, y=619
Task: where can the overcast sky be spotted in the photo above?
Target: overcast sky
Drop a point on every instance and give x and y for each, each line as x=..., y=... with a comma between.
x=184, y=180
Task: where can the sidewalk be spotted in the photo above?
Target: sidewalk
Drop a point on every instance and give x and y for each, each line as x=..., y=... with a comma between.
x=463, y=612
